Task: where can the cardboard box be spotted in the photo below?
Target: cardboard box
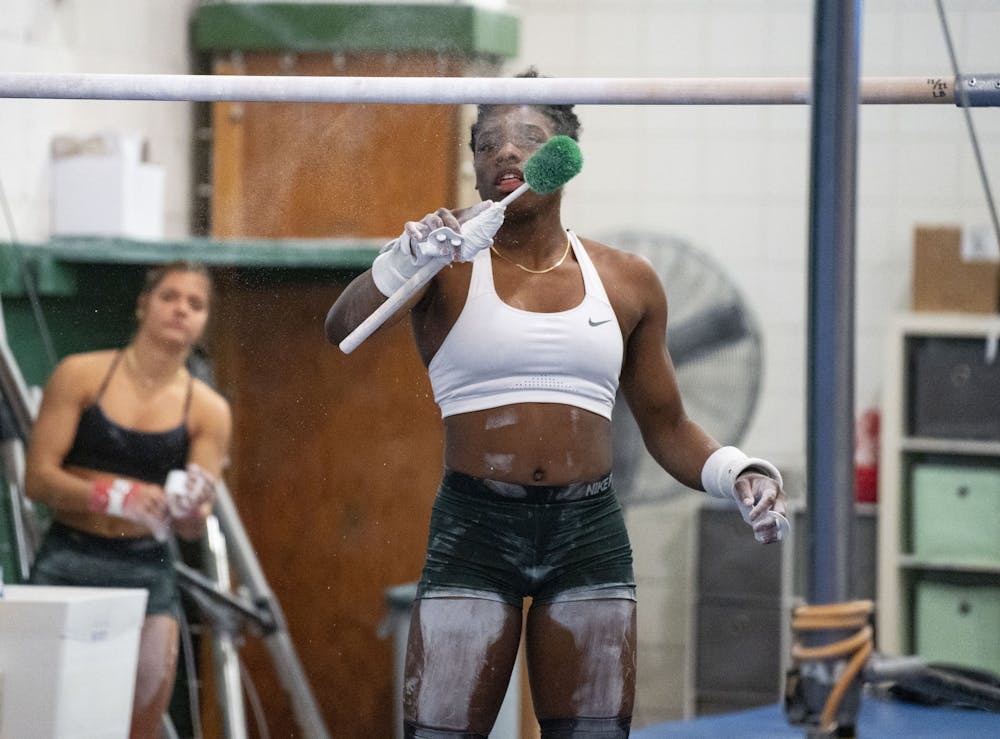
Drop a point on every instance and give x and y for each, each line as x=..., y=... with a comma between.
x=955, y=270
x=103, y=186
x=68, y=657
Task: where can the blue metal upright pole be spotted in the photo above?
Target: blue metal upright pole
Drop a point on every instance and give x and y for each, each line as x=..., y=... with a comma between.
x=830, y=448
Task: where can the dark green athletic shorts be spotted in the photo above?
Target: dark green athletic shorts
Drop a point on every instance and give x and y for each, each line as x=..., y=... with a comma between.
x=72, y=557
x=507, y=542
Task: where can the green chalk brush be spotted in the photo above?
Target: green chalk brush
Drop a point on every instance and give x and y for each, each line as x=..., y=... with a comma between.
x=556, y=163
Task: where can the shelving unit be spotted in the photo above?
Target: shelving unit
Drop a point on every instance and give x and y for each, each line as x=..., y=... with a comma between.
x=939, y=490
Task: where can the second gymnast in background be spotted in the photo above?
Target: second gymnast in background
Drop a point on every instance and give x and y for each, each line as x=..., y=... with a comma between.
x=111, y=426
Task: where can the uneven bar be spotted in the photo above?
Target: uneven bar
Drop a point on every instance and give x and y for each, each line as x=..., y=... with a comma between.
x=474, y=90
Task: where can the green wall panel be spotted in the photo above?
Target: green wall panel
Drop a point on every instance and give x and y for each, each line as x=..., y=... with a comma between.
x=350, y=27
x=86, y=287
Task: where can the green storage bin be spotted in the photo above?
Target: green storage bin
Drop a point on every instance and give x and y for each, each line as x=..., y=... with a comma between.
x=959, y=624
x=956, y=513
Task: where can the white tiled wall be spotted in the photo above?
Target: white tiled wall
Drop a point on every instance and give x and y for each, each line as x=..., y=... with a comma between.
x=733, y=181
x=108, y=36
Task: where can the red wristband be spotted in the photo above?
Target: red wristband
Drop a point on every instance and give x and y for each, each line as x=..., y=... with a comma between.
x=110, y=496
x=99, y=496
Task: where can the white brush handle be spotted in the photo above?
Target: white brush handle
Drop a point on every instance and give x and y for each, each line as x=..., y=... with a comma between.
x=392, y=304
x=406, y=291
x=514, y=195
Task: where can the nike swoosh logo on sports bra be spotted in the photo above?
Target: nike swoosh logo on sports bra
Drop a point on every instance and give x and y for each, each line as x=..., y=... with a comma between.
x=592, y=322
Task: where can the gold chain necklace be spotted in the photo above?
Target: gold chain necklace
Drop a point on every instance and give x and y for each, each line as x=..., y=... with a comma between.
x=562, y=259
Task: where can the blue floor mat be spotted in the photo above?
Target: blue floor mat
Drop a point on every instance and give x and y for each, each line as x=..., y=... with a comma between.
x=877, y=719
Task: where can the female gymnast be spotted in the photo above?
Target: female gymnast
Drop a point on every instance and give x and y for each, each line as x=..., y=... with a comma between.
x=527, y=338
x=111, y=426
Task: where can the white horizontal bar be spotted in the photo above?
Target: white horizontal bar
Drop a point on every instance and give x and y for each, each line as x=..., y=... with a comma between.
x=456, y=90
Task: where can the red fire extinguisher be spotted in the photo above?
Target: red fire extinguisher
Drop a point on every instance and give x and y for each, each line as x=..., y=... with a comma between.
x=866, y=453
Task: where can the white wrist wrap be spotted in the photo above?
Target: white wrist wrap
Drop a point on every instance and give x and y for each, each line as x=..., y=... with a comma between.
x=721, y=469
x=478, y=231
x=117, y=493
x=394, y=265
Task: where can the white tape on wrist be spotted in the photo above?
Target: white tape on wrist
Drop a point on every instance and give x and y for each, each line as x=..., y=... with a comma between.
x=718, y=477
x=394, y=265
x=401, y=259
x=118, y=492
x=725, y=464
x=478, y=231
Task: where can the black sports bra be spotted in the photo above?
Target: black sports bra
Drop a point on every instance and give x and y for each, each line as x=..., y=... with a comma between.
x=101, y=444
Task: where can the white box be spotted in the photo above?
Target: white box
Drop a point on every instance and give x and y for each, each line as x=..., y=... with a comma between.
x=103, y=186
x=68, y=658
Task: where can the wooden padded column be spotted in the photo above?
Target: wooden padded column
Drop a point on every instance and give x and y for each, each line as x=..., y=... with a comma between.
x=335, y=459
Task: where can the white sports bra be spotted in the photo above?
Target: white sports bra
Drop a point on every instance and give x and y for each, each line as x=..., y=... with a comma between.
x=497, y=355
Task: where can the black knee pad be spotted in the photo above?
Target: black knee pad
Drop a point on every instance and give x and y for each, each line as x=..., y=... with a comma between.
x=413, y=731
x=586, y=728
